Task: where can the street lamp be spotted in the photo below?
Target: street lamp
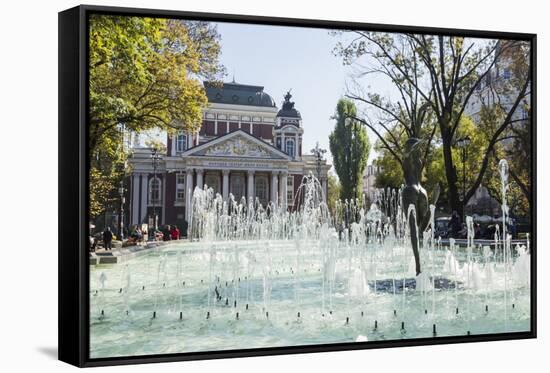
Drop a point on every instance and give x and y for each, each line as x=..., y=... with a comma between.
x=121, y=191
x=121, y=188
x=318, y=153
x=463, y=144
x=156, y=157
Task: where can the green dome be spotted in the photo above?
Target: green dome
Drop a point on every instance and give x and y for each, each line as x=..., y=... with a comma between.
x=237, y=94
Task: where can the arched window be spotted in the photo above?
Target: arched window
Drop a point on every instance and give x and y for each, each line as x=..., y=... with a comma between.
x=260, y=186
x=181, y=142
x=290, y=147
x=155, y=195
x=237, y=187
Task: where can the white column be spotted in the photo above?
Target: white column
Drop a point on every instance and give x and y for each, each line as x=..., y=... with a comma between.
x=274, y=186
x=250, y=188
x=135, y=199
x=283, y=145
x=225, y=184
x=200, y=173
x=324, y=185
x=144, y=196
x=284, y=176
x=174, y=139
x=188, y=193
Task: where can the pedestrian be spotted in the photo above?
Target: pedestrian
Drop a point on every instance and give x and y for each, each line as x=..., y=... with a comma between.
x=107, y=238
x=455, y=225
x=477, y=231
x=185, y=228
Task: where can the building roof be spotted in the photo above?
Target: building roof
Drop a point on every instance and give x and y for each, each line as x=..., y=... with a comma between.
x=288, y=110
x=238, y=94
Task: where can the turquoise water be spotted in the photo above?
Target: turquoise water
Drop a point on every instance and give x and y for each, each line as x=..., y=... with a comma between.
x=339, y=291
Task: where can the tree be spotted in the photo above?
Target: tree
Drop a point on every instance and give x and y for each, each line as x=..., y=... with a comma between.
x=350, y=147
x=333, y=192
x=391, y=174
x=515, y=147
x=442, y=71
x=144, y=74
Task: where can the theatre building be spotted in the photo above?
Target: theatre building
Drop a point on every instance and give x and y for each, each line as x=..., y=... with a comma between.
x=246, y=147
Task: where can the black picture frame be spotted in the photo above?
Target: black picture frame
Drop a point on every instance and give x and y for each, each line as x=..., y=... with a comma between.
x=73, y=165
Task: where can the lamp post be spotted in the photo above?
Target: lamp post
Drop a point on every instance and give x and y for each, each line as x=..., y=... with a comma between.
x=121, y=188
x=318, y=153
x=121, y=191
x=463, y=143
x=155, y=159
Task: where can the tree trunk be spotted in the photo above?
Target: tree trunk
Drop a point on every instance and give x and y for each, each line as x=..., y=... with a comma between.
x=450, y=173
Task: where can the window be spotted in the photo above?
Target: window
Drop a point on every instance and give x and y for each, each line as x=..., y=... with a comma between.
x=180, y=188
x=290, y=190
x=213, y=181
x=181, y=142
x=237, y=187
x=506, y=74
x=290, y=147
x=261, y=189
x=154, y=190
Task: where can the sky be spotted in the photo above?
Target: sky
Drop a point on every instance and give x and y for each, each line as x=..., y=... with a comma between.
x=282, y=58
x=300, y=59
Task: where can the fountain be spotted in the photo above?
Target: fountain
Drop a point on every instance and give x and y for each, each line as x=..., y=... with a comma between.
x=264, y=276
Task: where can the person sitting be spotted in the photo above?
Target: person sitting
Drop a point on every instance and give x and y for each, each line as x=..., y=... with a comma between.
x=158, y=235
x=166, y=233
x=174, y=232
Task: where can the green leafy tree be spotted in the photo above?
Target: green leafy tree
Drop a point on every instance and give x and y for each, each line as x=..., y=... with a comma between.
x=333, y=192
x=350, y=147
x=444, y=72
x=434, y=174
x=144, y=74
x=515, y=147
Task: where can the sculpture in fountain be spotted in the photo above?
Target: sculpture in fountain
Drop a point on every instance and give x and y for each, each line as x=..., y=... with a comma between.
x=414, y=194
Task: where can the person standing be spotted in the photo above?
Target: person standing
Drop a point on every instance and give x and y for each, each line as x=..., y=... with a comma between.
x=108, y=238
x=454, y=225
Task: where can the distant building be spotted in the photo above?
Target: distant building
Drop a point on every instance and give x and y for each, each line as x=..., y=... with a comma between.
x=246, y=147
x=369, y=181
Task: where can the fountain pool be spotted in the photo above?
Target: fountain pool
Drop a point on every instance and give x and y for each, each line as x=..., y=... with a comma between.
x=273, y=293
x=254, y=277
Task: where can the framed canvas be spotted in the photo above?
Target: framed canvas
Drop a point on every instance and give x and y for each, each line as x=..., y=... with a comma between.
x=234, y=186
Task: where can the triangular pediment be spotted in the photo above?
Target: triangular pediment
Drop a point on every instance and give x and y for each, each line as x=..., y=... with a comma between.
x=238, y=144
